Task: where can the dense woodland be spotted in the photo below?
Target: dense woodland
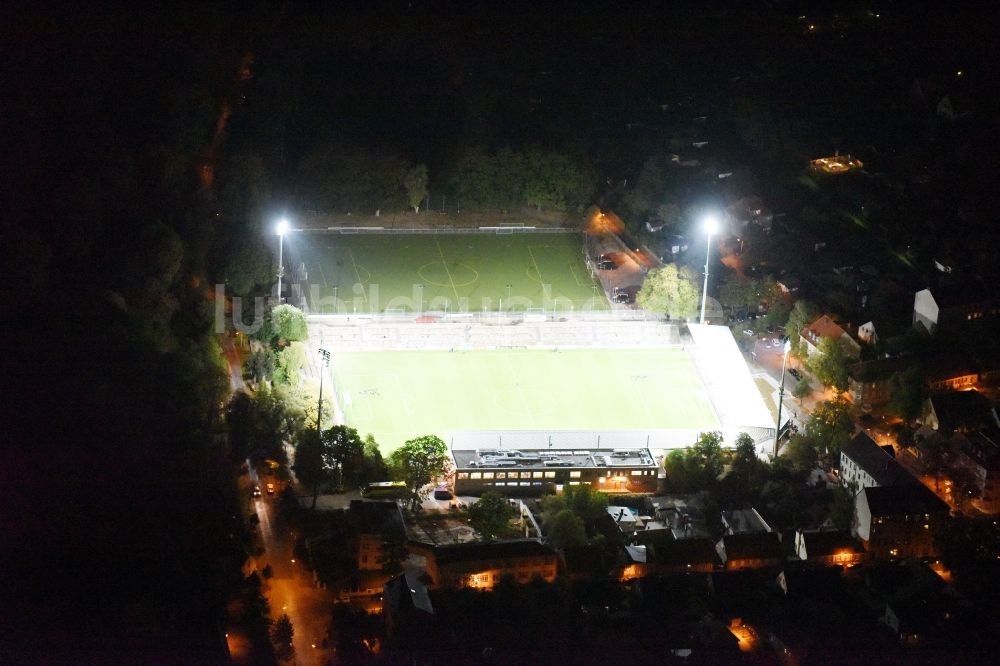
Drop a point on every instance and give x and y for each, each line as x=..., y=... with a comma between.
x=147, y=152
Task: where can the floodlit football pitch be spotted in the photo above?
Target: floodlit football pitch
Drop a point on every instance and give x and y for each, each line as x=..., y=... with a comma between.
x=386, y=272
x=397, y=395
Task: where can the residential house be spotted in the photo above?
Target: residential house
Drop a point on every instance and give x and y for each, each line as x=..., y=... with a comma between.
x=954, y=305
x=959, y=411
x=627, y=521
x=750, y=210
x=744, y=521
x=950, y=373
x=865, y=464
x=866, y=333
x=407, y=609
x=979, y=452
x=898, y=521
x=375, y=522
x=825, y=327
x=483, y=565
x=750, y=551
x=829, y=548
x=918, y=607
x=868, y=381
x=682, y=556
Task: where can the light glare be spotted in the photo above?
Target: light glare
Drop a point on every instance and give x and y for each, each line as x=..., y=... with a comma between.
x=282, y=226
x=711, y=224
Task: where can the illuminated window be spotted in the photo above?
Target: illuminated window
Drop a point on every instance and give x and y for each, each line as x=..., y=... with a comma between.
x=600, y=479
x=574, y=475
x=501, y=475
x=476, y=475
x=637, y=472
x=487, y=475
x=574, y=483
x=539, y=475
x=463, y=475
x=513, y=475
x=550, y=475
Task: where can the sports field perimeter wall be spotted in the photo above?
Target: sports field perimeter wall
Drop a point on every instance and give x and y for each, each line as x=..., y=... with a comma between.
x=656, y=439
x=485, y=332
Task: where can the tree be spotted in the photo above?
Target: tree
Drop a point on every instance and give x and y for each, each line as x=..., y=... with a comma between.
x=343, y=450
x=802, y=388
x=696, y=468
x=491, y=516
x=418, y=461
x=415, y=182
x=801, y=453
x=260, y=365
x=746, y=468
x=842, y=507
x=310, y=465
x=281, y=635
x=803, y=313
x=288, y=324
x=908, y=390
x=374, y=466
x=830, y=364
x=288, y=362
x=582, y=501
x=830, y=427
x=671, y=290
x=565, y=529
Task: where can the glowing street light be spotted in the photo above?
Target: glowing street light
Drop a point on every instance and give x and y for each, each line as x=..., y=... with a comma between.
x=281, y=229
x=711, y=226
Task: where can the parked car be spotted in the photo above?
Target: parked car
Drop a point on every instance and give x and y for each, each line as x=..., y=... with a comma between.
x=270, y=489
x=748, y=331
x=256, y=490
x=795, y=373
x=442, y=494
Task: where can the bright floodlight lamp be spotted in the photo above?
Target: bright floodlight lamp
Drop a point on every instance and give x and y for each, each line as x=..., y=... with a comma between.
x=282, y=229
x=711, y=226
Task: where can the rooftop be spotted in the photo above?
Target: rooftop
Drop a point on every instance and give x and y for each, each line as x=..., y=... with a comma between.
x=824, y=327
x=968, y=410
x=830, y=542
x=754, y=546
x=870, y=457
x=552, y=458
x=905, y=499
x=478, y=551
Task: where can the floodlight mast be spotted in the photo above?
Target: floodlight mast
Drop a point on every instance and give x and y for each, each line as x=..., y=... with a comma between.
x=781, y=395
x=282, y=229
x=711, y=226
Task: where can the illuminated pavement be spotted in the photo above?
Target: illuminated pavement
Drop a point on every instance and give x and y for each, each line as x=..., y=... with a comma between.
x=291, y=589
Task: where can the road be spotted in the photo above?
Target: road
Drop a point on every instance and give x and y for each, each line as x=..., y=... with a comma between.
x=235, y=367
x=291, y=590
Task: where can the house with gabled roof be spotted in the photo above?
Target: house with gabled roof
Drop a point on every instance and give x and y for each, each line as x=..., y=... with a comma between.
x=865, y=464
x=826, y=327
x=829, y=547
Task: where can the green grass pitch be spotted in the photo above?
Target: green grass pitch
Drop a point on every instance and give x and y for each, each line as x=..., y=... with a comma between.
x=421, y=272
x=397, y=395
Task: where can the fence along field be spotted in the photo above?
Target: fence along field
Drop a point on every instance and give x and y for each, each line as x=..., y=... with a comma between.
x=499, y=269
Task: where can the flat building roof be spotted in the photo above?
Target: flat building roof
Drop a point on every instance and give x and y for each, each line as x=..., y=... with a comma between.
x=500, y=459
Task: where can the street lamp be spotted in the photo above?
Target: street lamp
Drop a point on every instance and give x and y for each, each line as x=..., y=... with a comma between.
x=781, y=395
x=711, y=226
x=282, y=229
x=324, y=363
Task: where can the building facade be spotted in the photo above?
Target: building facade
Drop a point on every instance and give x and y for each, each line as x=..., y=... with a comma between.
x=538, y=471
x=483, y=565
